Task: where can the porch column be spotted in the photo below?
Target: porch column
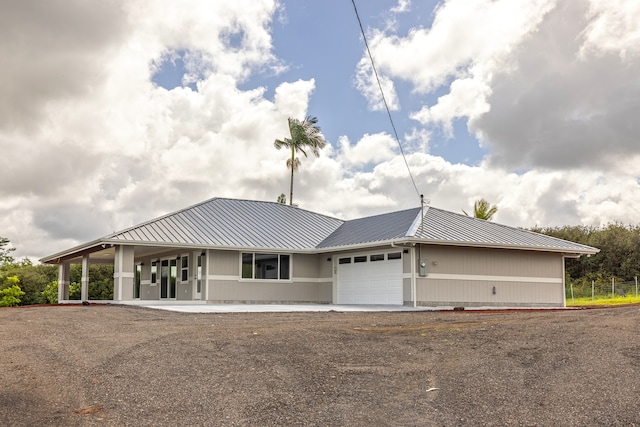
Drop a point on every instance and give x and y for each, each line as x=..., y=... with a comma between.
x=63, y=281
x=123, y=273
x=84, y=290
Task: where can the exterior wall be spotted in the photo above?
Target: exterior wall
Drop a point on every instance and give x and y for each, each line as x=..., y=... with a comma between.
x=311, y=281
x=459, y=276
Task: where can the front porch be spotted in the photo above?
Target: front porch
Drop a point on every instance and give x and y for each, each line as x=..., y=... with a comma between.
x=140, y=273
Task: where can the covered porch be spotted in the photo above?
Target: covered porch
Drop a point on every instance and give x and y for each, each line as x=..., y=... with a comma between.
x=140, y=272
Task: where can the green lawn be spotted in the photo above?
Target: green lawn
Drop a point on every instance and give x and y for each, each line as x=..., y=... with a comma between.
x=603, y=301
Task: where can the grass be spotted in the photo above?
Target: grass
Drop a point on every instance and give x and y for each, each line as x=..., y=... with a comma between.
x=602, y=300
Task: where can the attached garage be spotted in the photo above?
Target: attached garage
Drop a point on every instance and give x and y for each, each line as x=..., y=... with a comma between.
x=372, y=278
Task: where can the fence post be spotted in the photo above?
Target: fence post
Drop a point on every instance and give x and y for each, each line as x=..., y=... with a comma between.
x=613, y=288
x=593, y=290
x=572, y=300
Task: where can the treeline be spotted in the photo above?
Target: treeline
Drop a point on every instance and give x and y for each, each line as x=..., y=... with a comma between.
x=39, y=283
x=618, y=259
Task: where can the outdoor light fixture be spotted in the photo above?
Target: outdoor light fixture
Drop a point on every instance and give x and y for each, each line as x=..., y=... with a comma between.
x=329, y=259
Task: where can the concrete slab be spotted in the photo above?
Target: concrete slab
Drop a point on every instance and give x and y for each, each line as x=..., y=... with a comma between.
x=282, y=308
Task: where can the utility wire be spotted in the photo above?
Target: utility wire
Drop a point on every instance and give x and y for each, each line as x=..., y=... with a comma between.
x=384, y=99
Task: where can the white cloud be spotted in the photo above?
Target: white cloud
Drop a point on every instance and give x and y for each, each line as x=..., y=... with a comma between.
x=370, y=149
x=91, y=145
x=402, y=6
x=367, y=83
x=614, y=26
x=466, y=98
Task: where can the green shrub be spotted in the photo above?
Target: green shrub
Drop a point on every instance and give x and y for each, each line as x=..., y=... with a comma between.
x=10, y=297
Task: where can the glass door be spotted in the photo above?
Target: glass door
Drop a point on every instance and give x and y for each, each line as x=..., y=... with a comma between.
x=168, y=271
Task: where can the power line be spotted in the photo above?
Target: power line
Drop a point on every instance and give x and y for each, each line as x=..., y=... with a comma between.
x=384, y=99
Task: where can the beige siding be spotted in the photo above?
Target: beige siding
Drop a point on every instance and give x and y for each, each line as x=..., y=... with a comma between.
x=311, y=281
x=490, y=277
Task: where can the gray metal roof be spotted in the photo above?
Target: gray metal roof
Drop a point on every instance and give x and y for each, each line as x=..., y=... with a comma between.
x=378, y=228
x=442, y=226
x=247, y=224
x=236, y=223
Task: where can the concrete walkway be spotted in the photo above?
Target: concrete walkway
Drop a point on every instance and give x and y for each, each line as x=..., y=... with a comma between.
x=283, y=308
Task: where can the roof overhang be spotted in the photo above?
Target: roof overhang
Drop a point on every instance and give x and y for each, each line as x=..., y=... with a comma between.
x=104, y=248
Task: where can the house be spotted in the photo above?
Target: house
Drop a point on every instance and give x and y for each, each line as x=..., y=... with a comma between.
x=242, y=251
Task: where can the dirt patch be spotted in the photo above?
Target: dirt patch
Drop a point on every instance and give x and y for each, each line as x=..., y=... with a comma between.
x=114, y=365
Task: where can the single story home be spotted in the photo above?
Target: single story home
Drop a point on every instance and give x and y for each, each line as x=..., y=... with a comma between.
x=245, y=251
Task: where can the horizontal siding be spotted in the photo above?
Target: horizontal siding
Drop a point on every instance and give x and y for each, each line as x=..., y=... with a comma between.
x=480, y=293
x=269, y=292
x=468, y=276
x=493, y=262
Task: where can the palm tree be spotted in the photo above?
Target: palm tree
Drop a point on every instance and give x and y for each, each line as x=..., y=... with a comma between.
x=305, y=135
x=483, y=210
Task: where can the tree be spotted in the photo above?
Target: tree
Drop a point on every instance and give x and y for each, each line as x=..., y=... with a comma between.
x=5, y=258
x=305, y=135
x=483, y=210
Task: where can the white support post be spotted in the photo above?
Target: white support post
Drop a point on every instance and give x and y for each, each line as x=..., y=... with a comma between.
x=63, y=281
x=123, y=273
x=84, y=291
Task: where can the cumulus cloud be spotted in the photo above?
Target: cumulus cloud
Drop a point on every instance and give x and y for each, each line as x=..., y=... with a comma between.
x=545, y=83
x=91, y=145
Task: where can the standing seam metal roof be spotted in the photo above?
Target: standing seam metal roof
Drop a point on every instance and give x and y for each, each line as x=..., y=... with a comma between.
x=255, y=224
x=236, y=223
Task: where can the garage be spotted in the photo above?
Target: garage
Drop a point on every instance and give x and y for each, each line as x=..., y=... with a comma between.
x=374, y=278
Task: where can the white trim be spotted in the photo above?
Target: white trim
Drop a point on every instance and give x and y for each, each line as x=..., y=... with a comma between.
x=206, y=276
x=222, y=277
x=312, y=279
x=484, y=278
x=407, y=275
x=414, y=296
x=120, y=252
x=123, y=275
x=145, y=282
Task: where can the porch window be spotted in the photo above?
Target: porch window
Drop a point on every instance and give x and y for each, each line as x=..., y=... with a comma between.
x=184, y=271
x=154, y=273
x=266, y=266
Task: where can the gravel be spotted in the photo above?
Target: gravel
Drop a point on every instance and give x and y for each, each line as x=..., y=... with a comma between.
x=128, y=366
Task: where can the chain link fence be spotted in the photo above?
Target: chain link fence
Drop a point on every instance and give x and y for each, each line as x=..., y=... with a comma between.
x=602, y=288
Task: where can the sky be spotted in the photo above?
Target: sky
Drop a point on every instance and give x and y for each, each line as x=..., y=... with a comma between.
x=115, y=112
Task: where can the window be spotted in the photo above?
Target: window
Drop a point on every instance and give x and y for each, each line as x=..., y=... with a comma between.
x=136, y=285
x=199, y=274
x=377, y=257
x=266, y=266
x=184, y=271
x=154, y=273
x=360, y=258
x=394, y=255
x=344, y=261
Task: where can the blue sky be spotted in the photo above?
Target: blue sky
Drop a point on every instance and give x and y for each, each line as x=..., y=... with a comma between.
x=113, y=113
x=325, y=44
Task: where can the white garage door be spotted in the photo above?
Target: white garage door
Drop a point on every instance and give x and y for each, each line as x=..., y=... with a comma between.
x=370, y=279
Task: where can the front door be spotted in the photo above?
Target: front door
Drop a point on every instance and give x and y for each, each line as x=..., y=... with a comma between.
x=168, y=271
